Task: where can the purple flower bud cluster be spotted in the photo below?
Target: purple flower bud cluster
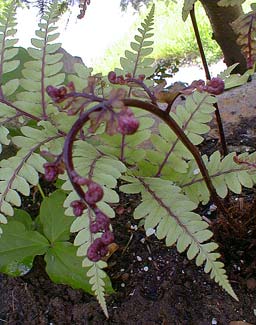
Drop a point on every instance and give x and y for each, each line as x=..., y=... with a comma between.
x=52, y=170
x=127, y=123
x=78, y=207
x=99, y=247
x=214, y=86
x=58, y=95
x=121, y=80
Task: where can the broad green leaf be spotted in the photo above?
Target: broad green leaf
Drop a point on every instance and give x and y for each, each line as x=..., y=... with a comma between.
x=63, y=266
x=55, y=223
x=18, y=243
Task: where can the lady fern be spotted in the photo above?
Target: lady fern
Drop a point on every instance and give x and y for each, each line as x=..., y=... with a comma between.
x=87, y=136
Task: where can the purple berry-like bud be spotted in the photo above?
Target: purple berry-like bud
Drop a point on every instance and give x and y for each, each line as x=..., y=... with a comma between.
x=94, y=228
x=112, y=77
x=78, y=207
x=94, y=193
x=102, y=221
x=107, y=237
x=50, y=171
x=215, y=86
x=97, y=250
x=57, y=94
x=127, y=123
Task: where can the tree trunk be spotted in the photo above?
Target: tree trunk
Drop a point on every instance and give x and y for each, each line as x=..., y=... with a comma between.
x=220, y=19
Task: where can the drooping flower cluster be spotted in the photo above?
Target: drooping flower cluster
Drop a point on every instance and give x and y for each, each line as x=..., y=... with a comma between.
x=99, y=247
x=101, y=223
x=121, y=80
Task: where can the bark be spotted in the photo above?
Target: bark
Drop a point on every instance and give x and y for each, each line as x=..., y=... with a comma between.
x=220, y=19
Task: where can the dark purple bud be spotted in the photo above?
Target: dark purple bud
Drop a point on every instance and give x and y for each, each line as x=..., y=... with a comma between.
x=94, y=228
x=50, y=171
x=57, y=94
x=102, y=221
x=97, y=250
x=107, y=237
x=94, y=193
x=215, y=86
x=78, y=207
x=112, y=77
x=127, y=123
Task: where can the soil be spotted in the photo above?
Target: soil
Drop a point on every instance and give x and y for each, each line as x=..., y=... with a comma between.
x=153, y=284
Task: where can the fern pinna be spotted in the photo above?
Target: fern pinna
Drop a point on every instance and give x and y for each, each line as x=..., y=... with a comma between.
x=98, y=130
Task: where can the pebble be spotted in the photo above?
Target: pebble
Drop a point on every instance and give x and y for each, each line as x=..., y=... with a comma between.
x=139, y=259
x=214, y=321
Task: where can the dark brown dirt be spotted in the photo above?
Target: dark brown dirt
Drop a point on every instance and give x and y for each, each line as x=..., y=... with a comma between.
x=154, y=284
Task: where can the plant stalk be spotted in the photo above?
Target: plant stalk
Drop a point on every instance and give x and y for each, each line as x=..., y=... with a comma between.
x=208, y=77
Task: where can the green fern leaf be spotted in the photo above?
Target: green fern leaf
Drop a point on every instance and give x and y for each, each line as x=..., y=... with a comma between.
x=132, y=144
x=135, y=62
x=97, y=277
x=45, y=69
x=169, y=154
x=7, y=52
x=164, y=207
x=225, y=174
x=102, y=169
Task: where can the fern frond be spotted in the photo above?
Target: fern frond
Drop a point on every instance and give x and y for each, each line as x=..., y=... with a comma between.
x=19, y=172
x=245, y=27
x=97, y=276
x=134, y=151
x=44, y=70
x=225, y=174
x=169, y=154
x=7, y=50
x=136, y=61
x=104, y=170
x=164, y=207
x=80, y=79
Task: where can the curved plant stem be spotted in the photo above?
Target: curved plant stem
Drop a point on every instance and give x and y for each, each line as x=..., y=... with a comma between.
x=184, y=139
x=208, y=77
x=68, y=146
x=71, y=136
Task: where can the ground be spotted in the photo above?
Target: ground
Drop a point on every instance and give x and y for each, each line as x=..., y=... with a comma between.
x=154, y=284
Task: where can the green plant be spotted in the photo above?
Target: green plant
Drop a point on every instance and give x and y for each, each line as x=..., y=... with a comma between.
x=48, y=235
x=89, y=158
